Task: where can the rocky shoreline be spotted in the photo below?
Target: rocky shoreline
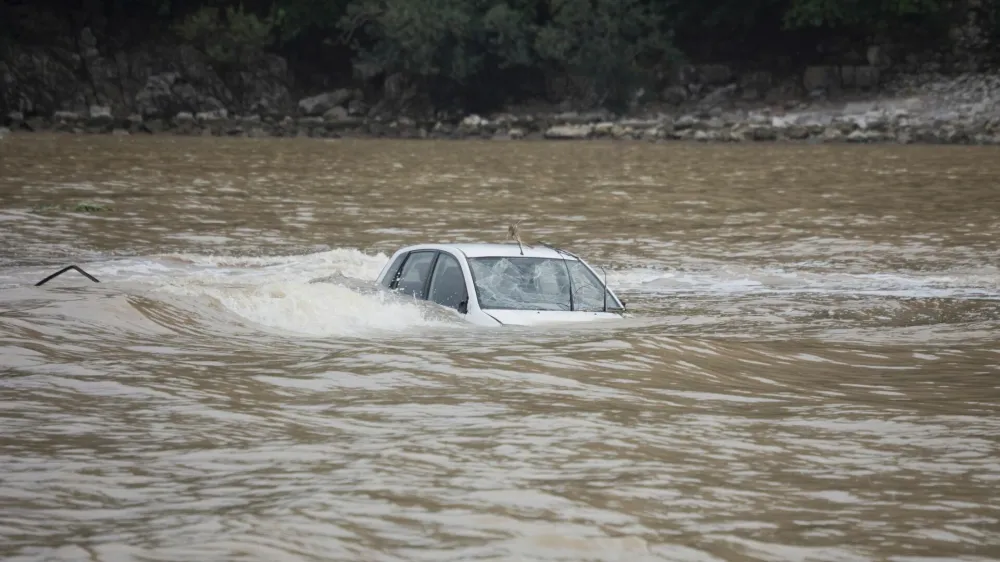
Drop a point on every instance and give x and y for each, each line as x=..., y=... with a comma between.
x=962, y=110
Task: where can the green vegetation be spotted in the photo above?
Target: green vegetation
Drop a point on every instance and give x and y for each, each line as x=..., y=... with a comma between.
x=478, y=54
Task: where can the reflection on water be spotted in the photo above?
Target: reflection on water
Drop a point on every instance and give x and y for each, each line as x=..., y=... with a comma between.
x=810, y=371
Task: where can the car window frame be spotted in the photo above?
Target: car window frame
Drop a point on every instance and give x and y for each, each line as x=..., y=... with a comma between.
x=461, y=272
x=394, y=285
x=392, y=273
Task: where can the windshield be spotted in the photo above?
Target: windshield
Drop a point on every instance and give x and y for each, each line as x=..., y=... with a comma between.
x=537, y=284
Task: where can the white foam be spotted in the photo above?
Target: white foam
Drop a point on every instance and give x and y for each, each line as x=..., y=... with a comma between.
x=328, y=293
x=317, y=309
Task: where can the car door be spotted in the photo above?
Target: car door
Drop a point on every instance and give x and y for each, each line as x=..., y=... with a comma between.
x=413, y=276
x=447, y=286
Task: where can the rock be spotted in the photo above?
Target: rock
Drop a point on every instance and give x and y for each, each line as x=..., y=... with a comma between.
x=66, y=116
x=357, y=107
x=184, y=117
x=652, y=134
x=100, y=115
x=755, y=85
x=336, y=114
x=473, y=122
x=569, y=132
x=674, y=95
x=4, y=131
x=575, y=118
x=867, y=77
x=318, y=105
x=703, y=136
x=156, y=97
x=604, y=128
x=797, y=132
x=848, y=76
x=859, y=137
x=821, y=78
x=15, y=118
x=877, y=57
x=119, y=132
x=715, y=74
x=715, y=123
x=832, y=134
x=212, y=116
x=152, y=126
x=685, y=122
x=763, y=133
x=719, y=96
x=516, y=133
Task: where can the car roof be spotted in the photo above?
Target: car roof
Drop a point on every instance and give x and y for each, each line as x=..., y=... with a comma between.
x=494, y=250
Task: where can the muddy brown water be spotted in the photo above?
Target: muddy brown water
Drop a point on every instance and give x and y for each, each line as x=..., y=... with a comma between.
x=811, y=370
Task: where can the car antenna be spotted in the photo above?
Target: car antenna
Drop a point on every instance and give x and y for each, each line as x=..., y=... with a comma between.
x=514, y=233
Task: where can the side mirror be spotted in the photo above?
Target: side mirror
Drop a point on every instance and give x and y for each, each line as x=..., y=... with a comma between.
x=463, y=307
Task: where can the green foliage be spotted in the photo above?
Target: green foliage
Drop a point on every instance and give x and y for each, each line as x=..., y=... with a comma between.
x=595, y=51
x=230, y=36
x=607, y=46
x=425, y=38
x=872, y=14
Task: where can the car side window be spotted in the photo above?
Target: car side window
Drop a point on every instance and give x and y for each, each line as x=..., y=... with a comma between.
x=448, y=283
x=413, y=278
x=390, y=274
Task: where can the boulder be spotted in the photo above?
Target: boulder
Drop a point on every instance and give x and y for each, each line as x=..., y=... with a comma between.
x=336, y=114
x=569, y=132
x=764, y=133
x=715, y=74
x=755, y=85
x=867, y=77
x=821, y=78
x=318, y=105
x=674, y=95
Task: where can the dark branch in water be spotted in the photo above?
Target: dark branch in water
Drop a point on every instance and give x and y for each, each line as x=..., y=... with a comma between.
x=64, y=270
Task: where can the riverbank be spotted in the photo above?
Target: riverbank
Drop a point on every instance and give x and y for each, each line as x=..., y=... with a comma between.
x=927, y=109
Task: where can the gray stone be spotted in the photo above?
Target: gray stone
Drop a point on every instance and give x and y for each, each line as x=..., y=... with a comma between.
x=825, y=78
x=318, y=105
x=66, y=116
x=755, y=85
x=604, y=128
x=848, y=76
x=859, y=137
x=473, y=122
x=212, y=116
x=763, y=133
x=715, y=74
x=675, y=95
x=569, y=132
x=15, y=117
x=335, y=114
x=867, y=77
x=832, y=134
x=685, y=122
x=719, y=96
x=184, y=117
x=797, y=132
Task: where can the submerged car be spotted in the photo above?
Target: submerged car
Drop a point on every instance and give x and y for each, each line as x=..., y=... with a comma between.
x=497, y=284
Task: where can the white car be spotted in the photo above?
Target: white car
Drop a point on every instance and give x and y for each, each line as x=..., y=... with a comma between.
x=497, y=284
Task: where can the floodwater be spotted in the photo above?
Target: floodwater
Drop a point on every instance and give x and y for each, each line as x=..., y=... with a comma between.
x=811, y=369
